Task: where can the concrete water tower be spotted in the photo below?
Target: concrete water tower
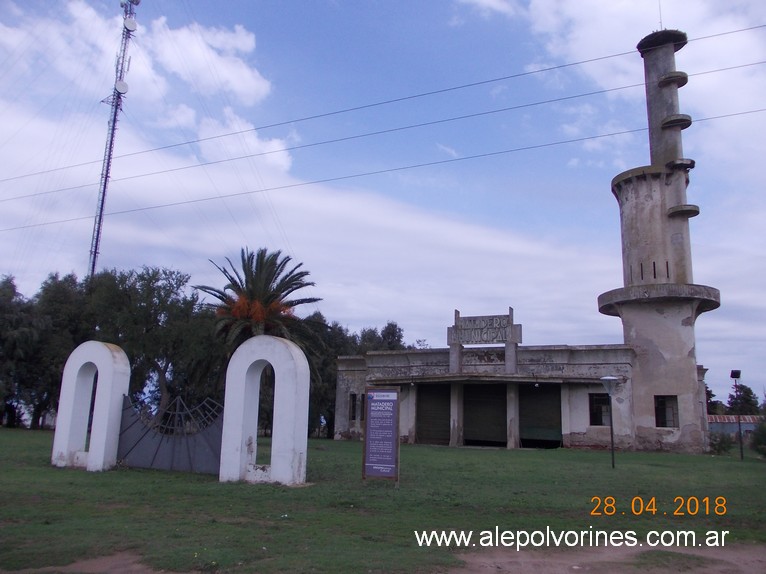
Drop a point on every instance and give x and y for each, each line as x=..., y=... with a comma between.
x=659, y=302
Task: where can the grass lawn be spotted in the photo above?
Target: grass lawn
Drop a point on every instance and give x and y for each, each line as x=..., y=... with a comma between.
x=182, y=522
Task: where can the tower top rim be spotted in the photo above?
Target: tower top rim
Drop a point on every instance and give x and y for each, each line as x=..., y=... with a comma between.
x=662, y=38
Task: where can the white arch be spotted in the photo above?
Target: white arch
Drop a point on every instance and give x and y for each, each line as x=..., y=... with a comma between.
x=113, y=368
x=240, y=412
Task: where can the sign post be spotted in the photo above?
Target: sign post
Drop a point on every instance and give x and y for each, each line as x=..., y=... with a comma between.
x=381, y=434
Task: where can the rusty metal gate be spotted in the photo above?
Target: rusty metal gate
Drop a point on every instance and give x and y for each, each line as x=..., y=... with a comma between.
x=433, y=414
x=540, y=416
x=485, y=415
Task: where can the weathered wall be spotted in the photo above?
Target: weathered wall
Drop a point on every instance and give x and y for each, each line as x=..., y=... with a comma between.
x=662, y=333
x=584, y=363
x=566, y=361
x=576, y=427
x=352, y=372
x=577, y=368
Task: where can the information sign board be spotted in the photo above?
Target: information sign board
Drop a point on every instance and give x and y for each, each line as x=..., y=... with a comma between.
x=381, y=434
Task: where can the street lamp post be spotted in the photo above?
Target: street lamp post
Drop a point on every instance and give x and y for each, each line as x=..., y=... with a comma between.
x=610, y=384
x=736, y=374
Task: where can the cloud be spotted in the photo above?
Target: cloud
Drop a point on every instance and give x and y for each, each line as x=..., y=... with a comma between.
x=245, y=142
x=535, y=231
x=509, y=8
x=448, y=150
x=727, y=149
x=209, y=60
x=180, y=116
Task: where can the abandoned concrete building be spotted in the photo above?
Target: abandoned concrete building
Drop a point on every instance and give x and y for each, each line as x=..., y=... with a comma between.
x=486, y=388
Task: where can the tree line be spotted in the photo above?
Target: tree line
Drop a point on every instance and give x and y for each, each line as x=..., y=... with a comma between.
x=178, y=345
x=742, y=401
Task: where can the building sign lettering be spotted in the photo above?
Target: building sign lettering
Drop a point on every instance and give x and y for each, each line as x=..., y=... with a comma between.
x=483, y=330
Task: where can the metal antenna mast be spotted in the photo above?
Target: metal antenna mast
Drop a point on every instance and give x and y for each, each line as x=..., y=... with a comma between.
x=115, y=100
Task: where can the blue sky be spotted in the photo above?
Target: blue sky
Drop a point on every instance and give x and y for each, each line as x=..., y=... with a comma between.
x=535, y=227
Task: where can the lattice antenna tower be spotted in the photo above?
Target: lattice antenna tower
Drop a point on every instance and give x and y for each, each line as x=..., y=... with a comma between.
x=115, y=101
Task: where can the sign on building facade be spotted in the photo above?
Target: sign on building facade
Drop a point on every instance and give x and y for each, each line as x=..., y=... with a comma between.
x=484, y=330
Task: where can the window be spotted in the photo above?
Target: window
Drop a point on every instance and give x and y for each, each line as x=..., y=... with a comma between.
x=352, y=407
x=666, y=410
x=357, y=405
x=599, y=409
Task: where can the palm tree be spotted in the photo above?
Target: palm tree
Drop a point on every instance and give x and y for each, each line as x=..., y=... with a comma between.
x=255, y=301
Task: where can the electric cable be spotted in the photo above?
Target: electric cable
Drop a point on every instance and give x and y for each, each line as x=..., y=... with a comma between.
x=382, y=103
x=370, y=173
x=368, y=134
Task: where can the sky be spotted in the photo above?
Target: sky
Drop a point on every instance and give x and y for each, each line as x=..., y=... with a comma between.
x=417, y=156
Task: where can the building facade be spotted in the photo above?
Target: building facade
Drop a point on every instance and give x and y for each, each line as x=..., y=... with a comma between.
x=488, y=389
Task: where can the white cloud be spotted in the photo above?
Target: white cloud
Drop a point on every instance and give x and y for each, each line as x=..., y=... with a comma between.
x=374, y=258
x=245, y=142
x=508, y=8
x=180, y=116
x=448, y=150
x=728, y=176
x=208, y=60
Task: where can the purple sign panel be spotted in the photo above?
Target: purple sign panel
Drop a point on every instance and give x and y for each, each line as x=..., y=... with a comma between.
x=381, y=437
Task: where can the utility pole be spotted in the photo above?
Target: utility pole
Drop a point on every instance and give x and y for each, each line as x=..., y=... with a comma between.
x=736, y=374
x=115, y=101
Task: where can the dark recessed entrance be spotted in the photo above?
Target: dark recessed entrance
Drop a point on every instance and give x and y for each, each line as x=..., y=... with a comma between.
x=433, y=414
x=540, y=416
x=484, y=415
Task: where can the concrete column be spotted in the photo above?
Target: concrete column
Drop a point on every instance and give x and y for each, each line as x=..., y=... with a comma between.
x=407, y=410
x=512, y=342
x=512, y=413
x=662, y=83
x=455, y=347
x=566, y=424
x=456, y=414
x=456, y=358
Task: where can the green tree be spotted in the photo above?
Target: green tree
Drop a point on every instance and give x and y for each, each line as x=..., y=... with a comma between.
x=256, y=299
x=368, y=339
x=199, y=370
x=742, y=401
x=389, y=338
x=392, y=336
x=20, y=331
x=714, y=407
x=758, y=440
x=59, y=305
x=337, y=341
x=164, y=331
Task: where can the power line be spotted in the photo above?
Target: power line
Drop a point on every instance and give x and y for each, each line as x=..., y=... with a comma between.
x=369, y=134
x=370, y=173
x=377, y=104
x=327, y=114
x=332, y=141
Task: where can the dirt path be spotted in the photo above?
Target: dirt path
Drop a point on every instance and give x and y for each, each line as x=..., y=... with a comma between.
x=122, y=563
x=735, y=559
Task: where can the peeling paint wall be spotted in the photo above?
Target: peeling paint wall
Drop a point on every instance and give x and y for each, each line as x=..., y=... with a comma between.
x=352, y=372
x=576, y=368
